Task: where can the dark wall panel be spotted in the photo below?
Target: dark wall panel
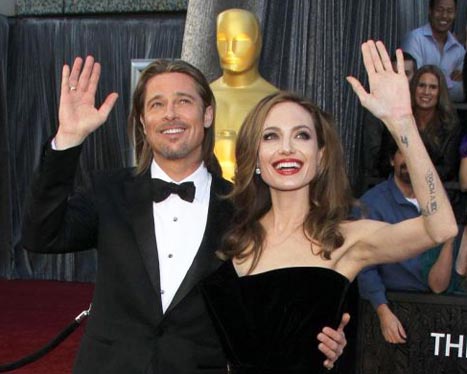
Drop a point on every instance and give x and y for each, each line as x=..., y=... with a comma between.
x=5, y=201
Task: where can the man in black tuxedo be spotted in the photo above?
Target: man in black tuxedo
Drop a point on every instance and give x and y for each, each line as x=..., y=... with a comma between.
x=156, y=227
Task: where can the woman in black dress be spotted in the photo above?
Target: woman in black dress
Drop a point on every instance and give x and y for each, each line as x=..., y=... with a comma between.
x=292, y=251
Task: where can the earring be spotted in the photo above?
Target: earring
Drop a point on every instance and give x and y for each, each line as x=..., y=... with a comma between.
x=257, y=170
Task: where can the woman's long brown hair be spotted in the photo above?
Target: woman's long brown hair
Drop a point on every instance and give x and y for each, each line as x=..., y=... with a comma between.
x=330, y=197
x=445, y=119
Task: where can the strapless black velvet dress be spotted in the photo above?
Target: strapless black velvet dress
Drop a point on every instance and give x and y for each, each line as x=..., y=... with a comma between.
x=268, y=322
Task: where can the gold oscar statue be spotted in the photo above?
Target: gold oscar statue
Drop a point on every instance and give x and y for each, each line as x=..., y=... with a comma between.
x=241, y=86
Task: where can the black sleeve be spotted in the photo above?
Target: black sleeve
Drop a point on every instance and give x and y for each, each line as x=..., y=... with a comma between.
x=56, y=219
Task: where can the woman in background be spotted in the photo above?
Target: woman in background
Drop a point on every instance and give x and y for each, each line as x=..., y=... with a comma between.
x=436, y=118
x=463, y=164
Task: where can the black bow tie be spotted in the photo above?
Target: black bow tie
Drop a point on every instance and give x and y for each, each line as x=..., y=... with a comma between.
x=162, y=189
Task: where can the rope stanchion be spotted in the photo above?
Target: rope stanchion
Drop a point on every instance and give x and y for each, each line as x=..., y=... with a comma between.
x=62, y=335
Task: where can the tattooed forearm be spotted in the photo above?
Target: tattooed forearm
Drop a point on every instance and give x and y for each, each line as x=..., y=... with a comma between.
x=432, y=205
x=404, y=140
x=430, y=208
x=430, y=181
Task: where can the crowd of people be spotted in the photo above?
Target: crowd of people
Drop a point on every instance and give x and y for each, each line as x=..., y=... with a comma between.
x=434, y=59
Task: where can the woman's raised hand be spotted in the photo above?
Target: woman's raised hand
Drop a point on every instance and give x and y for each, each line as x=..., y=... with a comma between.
x=78, y=116
x=389, y=96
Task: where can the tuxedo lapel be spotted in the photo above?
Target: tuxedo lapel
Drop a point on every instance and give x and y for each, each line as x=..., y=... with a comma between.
x=140, y=212
x=206, y=261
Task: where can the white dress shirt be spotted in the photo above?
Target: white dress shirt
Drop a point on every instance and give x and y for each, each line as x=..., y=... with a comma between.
x=414, y=201
x=179, y=227
x=421, y=44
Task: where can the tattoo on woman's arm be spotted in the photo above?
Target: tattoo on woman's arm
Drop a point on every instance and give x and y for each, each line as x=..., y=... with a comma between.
x=432, y=205
x=404, y=140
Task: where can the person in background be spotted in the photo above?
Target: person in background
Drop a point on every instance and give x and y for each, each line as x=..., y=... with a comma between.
x=434, y=44
x=444, y=267
x=461, y=262
x=436, y=119
x=463, y=164
x=391, y=201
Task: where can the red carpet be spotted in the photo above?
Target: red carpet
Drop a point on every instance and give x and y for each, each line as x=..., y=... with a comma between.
x=32, y=313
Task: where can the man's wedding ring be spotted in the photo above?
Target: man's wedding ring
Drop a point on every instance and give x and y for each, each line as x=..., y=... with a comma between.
x=72, y=88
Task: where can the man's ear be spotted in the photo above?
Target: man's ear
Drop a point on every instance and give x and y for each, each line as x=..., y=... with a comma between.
x=208, y=117
x=142, y=122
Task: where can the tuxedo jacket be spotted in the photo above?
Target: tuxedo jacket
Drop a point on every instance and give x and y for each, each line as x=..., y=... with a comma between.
x=127, y=332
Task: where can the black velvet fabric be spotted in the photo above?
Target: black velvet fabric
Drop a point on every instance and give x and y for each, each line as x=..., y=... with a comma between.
x=268, y=322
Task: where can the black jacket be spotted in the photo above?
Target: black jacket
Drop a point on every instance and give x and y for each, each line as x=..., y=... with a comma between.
x=127, y=331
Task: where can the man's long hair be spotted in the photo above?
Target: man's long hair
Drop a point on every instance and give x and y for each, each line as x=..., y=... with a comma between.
x=330, y=197
x=136, y=129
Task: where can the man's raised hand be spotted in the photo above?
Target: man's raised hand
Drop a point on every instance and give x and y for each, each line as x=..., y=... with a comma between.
x=77, y=114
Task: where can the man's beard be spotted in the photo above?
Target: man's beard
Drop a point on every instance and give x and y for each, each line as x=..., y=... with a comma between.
x=181, y=150
x=175, y=154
